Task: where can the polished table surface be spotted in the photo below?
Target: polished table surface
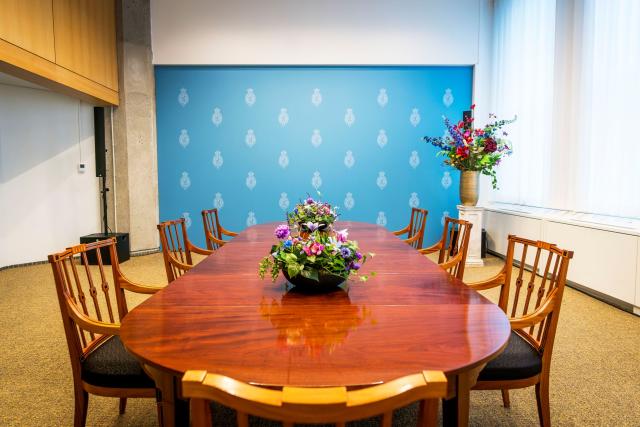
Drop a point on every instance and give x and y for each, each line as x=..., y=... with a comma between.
x=221, y=317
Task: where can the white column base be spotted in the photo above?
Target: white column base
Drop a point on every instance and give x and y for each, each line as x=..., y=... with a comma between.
x=475, y=215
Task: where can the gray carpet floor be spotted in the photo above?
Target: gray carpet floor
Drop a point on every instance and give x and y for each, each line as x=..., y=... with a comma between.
x=595, y=376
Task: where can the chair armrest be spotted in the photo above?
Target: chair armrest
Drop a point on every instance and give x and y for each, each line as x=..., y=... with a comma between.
x=452, y=262
x=537, y=316
x=227, y=232
x=495, y=281
x=95, y=326
x=214, y=239
x=412, y=239
x=400, y=232
x=199, y=250
x=432, y=249
x=138, y=287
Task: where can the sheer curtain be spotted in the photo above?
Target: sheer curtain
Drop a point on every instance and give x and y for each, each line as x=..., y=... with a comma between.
x=575, y=147
x=524, y=34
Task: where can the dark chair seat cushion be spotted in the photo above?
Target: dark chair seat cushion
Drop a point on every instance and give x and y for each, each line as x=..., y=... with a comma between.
x=223, y=416
x=519, y=360
x=111, y=365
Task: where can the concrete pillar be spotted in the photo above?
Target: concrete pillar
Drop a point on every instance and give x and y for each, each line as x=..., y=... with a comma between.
x=133, y=200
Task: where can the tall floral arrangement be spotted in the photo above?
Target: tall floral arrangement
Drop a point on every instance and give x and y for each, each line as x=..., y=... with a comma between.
x=474, y=149
x=310, y=215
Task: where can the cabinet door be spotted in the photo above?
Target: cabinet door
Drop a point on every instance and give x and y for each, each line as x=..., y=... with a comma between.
x=85, y=39
x=28, y=24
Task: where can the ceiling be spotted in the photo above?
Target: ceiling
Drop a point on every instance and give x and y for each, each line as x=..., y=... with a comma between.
x=7, y=79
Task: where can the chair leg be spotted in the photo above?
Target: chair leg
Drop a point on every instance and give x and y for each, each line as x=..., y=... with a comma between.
x=80, y=410
x=123, y=405
x=542, y=398
x=505, y=398
x=428, y=413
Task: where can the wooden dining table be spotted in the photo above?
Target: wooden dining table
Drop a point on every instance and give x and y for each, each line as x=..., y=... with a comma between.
x=221, y=317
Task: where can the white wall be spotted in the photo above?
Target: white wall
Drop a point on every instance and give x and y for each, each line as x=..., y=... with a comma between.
x=45, y=203
x=308, y=32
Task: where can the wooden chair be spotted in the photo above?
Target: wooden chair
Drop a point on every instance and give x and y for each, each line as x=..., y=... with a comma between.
x=531, y=287
x=453, y=246
x=177, y=249
x=213, y=230
x=99, y=362
x=415, y=229
x=312, y=405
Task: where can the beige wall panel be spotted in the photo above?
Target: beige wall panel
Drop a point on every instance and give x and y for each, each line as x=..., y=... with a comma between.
x=29, y=25
x=85, y=39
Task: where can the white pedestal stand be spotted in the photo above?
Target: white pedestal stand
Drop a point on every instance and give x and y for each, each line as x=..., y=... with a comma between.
x=475, y=215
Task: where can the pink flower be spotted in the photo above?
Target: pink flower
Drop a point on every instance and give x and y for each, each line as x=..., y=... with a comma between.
x=314, y=249
x=342, y=235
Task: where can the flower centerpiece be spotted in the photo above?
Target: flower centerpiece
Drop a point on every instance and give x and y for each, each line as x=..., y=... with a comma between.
x=317, y=262
x=311, y=215
x=473, y=151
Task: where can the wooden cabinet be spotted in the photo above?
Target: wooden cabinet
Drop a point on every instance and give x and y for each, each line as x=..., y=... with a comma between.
x=28, y=24
x=85, y=39
x=66, y=45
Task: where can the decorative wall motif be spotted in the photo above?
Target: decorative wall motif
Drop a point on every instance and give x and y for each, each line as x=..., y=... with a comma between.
x=251, y=140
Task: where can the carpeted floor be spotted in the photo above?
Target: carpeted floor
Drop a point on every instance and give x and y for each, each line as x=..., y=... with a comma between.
x=595, y=378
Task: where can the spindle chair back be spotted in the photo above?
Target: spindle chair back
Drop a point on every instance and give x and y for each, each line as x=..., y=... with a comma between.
x=177, y=248
x=453, y=246
x=415, y=229
x=213, y=230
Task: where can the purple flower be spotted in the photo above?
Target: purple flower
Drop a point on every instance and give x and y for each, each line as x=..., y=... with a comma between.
x=311, y=226
x=454, y=132
x=356, y=266
x=282, y=231
x=358, y=255
x=345, y=252
x=310, y=201
x=342, y=235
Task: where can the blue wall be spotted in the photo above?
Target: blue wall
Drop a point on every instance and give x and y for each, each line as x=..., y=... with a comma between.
x=245, y=139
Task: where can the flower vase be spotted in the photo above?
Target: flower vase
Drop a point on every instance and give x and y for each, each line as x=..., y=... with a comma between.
x=469, y=187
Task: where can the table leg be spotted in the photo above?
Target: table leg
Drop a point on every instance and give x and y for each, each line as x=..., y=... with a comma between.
x=455, y=410
x=172, y=411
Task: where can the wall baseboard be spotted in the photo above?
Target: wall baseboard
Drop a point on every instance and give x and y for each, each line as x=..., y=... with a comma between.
x=140, y=252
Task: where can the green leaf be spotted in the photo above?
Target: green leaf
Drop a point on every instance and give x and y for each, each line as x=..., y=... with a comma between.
x=294, y=269
x=310, y=274
x=311, y=258
x=289, y=258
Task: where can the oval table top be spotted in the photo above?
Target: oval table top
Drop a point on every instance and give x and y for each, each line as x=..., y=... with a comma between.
x=221, y=317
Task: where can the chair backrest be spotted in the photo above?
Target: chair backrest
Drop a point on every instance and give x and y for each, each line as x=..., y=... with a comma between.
x=535, y=275
x=91, y=303
x=417, y=225
x=176, y=248
x=311, y=405
x=455, y=244
x=212, y=229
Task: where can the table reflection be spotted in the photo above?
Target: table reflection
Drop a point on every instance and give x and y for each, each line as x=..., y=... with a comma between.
x=314, y=324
